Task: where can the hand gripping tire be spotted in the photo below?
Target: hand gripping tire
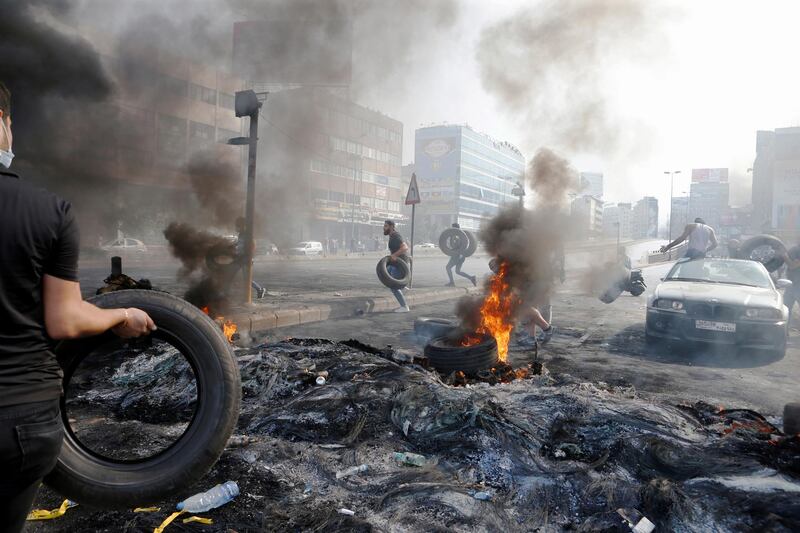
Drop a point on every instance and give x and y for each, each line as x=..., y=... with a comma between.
x=472, y=246
x=389, y=280
x=773, y=261
x=446, y=357
x=86, y=477
x=453, y=241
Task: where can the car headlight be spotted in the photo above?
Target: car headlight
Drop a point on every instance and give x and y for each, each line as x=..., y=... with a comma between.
x=761, y=312
x=665, y=303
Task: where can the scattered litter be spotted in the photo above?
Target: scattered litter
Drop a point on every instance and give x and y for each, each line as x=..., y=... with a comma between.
x=198, y=519
x=320, y=380
x=147, y=510
x=351, y=471
x=410, y=459
x=211, y=499
x=483, y=496
x=167, y=521
x=347, y=512
x=332, y=446
x=43, y=514
x=560, y=454
x=239, y=441
x=406, y=425
x=636, y=520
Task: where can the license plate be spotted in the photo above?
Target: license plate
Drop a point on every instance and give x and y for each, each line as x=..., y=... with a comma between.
x=727, y=327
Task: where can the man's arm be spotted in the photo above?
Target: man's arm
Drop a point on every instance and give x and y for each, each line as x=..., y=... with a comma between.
x=714, y=242
x=68, y=316
x=686, y=231
x=403, y=249
x=790, y=262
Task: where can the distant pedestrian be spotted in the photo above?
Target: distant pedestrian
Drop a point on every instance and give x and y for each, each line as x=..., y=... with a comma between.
x=791, y=295
x=457, y=261
x=334, y=247
x=702, y=239
x=397, y=249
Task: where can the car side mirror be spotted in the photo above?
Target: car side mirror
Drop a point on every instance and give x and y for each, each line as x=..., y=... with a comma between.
x=783, y=283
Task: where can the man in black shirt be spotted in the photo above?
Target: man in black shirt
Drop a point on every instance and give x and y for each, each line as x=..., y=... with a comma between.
x=792, y=295
x=40, y=301
x=397, y=249
x=458, y=261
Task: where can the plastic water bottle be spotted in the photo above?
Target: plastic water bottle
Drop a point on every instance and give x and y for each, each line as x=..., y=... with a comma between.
x=410, y=459
x=211, y=499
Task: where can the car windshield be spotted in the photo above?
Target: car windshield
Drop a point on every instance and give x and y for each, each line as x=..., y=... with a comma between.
x=748, y=273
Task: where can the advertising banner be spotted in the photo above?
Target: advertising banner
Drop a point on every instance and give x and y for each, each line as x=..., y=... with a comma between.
x=700, y=175
x=436, y=165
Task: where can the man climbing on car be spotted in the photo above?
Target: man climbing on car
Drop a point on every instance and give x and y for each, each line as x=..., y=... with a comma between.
x=702, y=239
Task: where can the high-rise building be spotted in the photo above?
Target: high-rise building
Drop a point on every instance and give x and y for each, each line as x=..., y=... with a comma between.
x=587, y=213
x=644, y=223
x=776, y=182
x=710, y=201
x=679, y=215
x=614, y=214
x=592, y=184
x=464, y=176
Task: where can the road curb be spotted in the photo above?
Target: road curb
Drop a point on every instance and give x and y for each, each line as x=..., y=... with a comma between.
x=252, y=322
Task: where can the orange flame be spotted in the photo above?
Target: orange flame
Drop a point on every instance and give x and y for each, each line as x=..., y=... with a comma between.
x=228, y=327
x=496, y=311
x=204, y=309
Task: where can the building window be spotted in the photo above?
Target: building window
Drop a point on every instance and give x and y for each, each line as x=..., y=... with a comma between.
x=171, y=144
x=204, y=94
x=174, y=86
x=200, y=134
x=336, y=196
x=319, y=194
x=227, y=100
x=394, y=207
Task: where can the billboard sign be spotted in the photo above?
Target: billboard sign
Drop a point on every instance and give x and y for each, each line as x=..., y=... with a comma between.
x=716, y=175
x=436, y=161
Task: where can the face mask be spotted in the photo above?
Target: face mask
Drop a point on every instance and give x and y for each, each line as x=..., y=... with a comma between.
x=6, y=156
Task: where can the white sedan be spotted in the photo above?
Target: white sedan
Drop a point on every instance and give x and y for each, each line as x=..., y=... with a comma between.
x=719, y=301
x=125, y=245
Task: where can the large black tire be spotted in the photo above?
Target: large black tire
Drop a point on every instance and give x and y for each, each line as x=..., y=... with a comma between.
x=219, y=257
x=446, y=358
x=775, y=261
x=432, y=328
x=389, y=280
x=636, y=289
x=85, y=477
x=453, y=241
x=472, y=246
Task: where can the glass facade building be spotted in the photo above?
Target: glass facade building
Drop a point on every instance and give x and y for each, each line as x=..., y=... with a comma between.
x=464, y=176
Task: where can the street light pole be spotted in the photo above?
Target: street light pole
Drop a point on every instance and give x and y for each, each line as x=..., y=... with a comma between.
x=671, y=191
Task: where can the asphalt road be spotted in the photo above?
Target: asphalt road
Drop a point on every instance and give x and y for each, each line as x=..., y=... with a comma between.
x=599, y=342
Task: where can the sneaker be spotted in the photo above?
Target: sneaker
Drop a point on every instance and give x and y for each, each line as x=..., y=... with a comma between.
x=547, y=334
x=262, y=292
x=451, y=284
x=404, y=309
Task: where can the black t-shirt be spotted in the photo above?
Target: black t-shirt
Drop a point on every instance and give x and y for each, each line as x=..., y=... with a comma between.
x=794, y=273
x=395, y=243
x=38, y=236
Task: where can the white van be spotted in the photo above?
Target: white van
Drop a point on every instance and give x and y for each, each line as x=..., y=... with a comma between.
x=307, y=248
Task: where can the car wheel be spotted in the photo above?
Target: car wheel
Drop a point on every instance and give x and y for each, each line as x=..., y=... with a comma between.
x=446, y=357
x=86, y=477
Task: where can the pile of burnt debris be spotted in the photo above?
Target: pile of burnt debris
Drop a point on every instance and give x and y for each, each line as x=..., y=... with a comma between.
x=346, y=437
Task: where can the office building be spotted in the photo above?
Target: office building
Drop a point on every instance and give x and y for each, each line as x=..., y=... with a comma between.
x=621, y=214
x=776, y=183
x=644, y=223
x=587, y=215
x=464, y=176
x=709, y=200
x=679, y=215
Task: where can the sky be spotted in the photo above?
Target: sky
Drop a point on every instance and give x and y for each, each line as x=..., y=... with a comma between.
x=706, y=77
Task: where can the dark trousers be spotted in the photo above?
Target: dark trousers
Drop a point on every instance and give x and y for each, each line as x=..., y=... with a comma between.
x=30, y=440
x=456, y=261
x=790, y=297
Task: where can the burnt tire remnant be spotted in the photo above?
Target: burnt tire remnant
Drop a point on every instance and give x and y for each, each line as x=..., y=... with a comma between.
x=447, y=355
x=86, y=477
x=766, y=249
x=389, y=280
x=453, y=241
x=432, y=328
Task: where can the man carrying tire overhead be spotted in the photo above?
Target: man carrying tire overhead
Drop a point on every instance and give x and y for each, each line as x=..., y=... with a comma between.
x=702, y=239
x=397, y=249
x=457, y=261
x=40, y=302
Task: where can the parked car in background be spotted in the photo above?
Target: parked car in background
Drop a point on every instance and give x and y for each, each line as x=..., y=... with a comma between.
x=124, y=245
x=425, y=245
x=719, y=301
x=307, y=248
x=266, y=248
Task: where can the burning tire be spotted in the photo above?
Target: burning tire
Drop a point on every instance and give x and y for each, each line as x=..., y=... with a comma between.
x=432, y=328
x=472, y=246
x=220, y=257
x=454, y=241
x=766, y=249
x=87, y=477
x=389, y=280
x=447, y=355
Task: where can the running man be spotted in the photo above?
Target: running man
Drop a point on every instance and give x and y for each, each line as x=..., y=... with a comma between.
x=458, y=261
x=702, y=239
x=397, y=249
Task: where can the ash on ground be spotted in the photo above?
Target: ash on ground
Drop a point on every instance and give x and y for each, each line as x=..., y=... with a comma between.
x=547, y=453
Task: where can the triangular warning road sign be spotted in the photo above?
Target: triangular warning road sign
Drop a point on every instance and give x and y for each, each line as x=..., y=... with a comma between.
x=413, y=191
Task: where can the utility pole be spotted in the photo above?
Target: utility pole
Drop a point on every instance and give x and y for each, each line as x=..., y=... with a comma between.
x=671, y=189
x=247, y=104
